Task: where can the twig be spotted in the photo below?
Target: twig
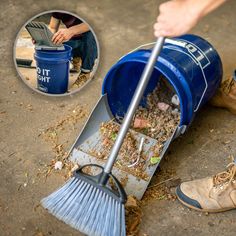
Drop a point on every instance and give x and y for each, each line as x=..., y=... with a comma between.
x=11, y=154
x=162, y=182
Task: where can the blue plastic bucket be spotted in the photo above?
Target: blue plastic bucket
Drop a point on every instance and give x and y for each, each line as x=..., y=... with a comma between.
x=53, y=70
x=189, y=63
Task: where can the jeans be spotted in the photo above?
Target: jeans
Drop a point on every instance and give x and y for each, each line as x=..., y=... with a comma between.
x=85, y=48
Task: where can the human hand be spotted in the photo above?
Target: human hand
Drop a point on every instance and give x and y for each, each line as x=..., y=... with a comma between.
x=62, y=35
x=176, y=17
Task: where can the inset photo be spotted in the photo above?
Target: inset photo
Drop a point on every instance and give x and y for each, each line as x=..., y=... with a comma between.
x=56, y=53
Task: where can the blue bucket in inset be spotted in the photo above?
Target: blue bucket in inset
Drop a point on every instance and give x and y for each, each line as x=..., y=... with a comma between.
x=53, y=70
x=189, y=63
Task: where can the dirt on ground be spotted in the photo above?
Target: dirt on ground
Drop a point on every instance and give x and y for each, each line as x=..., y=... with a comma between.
x=53, y=136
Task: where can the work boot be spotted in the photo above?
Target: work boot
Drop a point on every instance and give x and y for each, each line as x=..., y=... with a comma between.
x=212, y=194
x=225, y=97
x=82, y=79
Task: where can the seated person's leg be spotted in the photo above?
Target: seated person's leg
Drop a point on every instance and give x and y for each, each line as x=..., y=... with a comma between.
x=76, y=60
x=73, y=44
x=89, y=52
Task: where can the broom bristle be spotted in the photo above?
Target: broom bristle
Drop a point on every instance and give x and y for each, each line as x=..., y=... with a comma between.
x=87, y=209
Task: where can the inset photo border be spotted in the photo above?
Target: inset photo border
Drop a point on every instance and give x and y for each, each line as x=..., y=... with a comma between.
x=56, y=53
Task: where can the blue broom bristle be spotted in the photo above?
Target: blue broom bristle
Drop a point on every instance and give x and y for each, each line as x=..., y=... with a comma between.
x=87, y=209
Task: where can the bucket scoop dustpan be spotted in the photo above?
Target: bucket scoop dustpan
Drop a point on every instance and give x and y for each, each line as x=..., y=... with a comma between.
x=90, y=139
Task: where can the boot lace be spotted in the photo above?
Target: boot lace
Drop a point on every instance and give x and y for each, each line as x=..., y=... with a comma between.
x=228, y=84
x=82, y=79
x=227, y=176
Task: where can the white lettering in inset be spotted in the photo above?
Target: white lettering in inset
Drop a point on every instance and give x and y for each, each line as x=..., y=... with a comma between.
x=43, y=74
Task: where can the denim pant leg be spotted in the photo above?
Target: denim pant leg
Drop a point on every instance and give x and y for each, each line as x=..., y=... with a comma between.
x=89, y=51
x=86, y=49
x=75, y=44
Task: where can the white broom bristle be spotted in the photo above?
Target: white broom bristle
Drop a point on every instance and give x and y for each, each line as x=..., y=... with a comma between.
x=87, y=209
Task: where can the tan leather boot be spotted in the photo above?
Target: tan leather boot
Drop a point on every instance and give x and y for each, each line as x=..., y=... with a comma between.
x=212, y=194
x=81, y=80
x=225, y=97
x=76, y=62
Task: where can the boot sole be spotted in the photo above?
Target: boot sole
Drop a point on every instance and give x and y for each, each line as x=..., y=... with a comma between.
x=204, y=210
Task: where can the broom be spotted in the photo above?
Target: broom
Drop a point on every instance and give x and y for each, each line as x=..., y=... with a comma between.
x=86, y=202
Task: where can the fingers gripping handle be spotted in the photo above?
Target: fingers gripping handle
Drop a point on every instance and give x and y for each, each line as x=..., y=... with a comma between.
x=147, y=72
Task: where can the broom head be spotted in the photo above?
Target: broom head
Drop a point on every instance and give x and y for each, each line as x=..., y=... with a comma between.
x=89, y=204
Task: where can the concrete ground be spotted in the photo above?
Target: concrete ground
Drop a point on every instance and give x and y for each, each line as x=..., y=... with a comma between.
x=120, y=26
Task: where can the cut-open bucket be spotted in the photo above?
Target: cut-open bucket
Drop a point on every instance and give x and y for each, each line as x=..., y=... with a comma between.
x=90, y=148
x=189, y=65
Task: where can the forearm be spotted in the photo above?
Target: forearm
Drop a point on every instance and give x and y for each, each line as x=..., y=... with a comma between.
x=79, y=29
x=204, y=7
x=178, y=17
x=63, y=35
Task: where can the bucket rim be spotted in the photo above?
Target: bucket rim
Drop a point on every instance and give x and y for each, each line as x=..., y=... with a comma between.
x=51, y=60
x=159, y=65
x=67, y=50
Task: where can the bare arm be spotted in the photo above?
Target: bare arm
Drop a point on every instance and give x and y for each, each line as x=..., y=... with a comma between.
x=208, y=6
x=177, y=17
x=79, y=29
x=54, y=24
x=63, y=35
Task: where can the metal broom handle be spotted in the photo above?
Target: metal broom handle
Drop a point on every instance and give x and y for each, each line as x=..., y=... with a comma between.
x=147, y=72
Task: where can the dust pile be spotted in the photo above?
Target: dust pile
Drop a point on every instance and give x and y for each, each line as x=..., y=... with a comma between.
x=157, y=120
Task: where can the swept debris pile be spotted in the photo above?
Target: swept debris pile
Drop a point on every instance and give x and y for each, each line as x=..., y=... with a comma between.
x=128, y=152
x=157, y=120
x=160, y=117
